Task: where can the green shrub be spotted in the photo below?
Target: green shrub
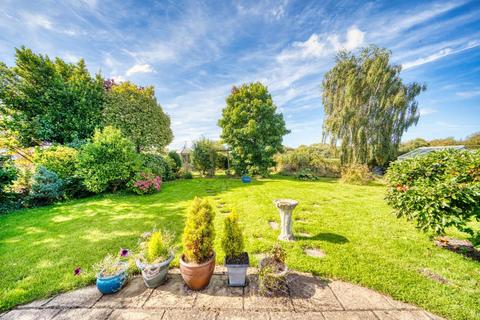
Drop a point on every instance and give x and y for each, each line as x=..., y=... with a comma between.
x=47, y=187
x=158, y=247
x=437, y=190
x=271, y=279
x=318, y=159
x=204, y=156
x=8, y=174
x=356, y=174
x=199, y=233
x=145, y=182
x=108, y=161
x=177, y=161
x=58, y=159
x=159, y=165
x=232, y=240
x=306, y=175
x=187, y=175
x=62, y=160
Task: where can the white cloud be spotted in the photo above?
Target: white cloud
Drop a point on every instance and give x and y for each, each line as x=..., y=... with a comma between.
x=469, y=94
x=355, y=38
x=37, y=21
x=139, y=68
x=427, y=111
x=317, y=46
x=440, y=54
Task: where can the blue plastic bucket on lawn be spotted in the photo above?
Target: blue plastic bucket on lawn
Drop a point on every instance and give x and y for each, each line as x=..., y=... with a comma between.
x=246, y=179
x=112, y=284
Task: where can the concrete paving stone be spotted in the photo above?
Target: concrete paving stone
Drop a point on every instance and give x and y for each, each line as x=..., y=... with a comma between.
x=84, y=314
x=296, y=316
x=35, y=304
x=401, y=315
x=81, y=298
x=133, y=295
x=135, y=314
x=353, y=297
x=192, y=314
x=432, y=316
x=349, y=315
x=30, y=314
x=400, y=305
x=173, y=294
x=218, y=295
x=309, y=293
x=245, y=315
x=255, y=301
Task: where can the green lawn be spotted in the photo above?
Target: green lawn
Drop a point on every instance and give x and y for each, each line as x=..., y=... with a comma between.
x=364, y=243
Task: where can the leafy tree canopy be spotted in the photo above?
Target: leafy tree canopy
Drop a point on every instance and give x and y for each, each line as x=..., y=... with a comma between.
x=135, y=111
x=253, y=129
x=367, y=106
x=49, y=100
x=204, y=156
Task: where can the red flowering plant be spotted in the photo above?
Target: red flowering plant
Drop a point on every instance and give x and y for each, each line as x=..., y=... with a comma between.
x=145, y=183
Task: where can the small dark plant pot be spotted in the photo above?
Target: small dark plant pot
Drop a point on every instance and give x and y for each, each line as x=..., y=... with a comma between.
x=237, y=270
x=246, y=179
x=197, y=276
x=113, y=283
x=154, y=274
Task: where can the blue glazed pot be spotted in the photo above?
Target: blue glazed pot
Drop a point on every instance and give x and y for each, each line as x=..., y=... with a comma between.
x=246, y=179
x=112, y=284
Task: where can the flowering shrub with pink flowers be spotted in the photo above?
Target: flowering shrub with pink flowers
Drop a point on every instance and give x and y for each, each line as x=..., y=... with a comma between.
x=145, y=183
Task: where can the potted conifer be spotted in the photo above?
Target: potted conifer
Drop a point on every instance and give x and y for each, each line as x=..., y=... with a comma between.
x=236, y=259
x=156, y=254
x=198, y=260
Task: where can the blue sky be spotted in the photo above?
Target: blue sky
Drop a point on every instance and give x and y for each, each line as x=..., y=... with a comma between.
x=193, y=52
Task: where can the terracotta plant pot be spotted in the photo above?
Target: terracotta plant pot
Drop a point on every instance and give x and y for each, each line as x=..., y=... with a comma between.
x=197, y=276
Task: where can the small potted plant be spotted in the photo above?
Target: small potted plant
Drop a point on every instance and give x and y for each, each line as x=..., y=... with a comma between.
x=236, y=259
x=273, y=272
x=156, y=254
x=112, y=274
x=198, y=259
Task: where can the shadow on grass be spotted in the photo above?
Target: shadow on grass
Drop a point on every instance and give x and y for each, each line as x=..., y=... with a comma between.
x=326, y=236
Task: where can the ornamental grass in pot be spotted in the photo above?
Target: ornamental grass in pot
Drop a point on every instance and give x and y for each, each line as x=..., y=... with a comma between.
x=236, y=259
x=198, y=259
x=156, y=252
x=112, y=274
x=272, y=277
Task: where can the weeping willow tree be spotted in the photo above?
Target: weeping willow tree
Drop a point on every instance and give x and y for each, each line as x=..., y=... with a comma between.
x=367, y=106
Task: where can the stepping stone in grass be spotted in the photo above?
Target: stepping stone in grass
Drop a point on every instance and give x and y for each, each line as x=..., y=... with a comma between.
x=273, y=225
x=433, y=276
x=259, y=256
x=316, y=253
x=303, y=234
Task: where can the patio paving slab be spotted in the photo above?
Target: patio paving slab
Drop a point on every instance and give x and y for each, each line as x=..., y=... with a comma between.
x=218, y=295
x=311, y=294
x=81, y=298
x=354, y=297
x=306, y=297
x=132, y=296
x=83, y=314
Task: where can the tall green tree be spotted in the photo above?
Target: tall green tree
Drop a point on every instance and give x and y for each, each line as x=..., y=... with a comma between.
x=253, y=128
x=135, y=111
x=367, y=106
x=49, y=100
x=204, y=155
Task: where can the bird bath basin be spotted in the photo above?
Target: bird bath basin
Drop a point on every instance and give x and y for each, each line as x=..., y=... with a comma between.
x=285, y=208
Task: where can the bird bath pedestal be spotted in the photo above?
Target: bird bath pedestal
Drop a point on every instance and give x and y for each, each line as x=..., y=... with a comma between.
x=285, y=208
